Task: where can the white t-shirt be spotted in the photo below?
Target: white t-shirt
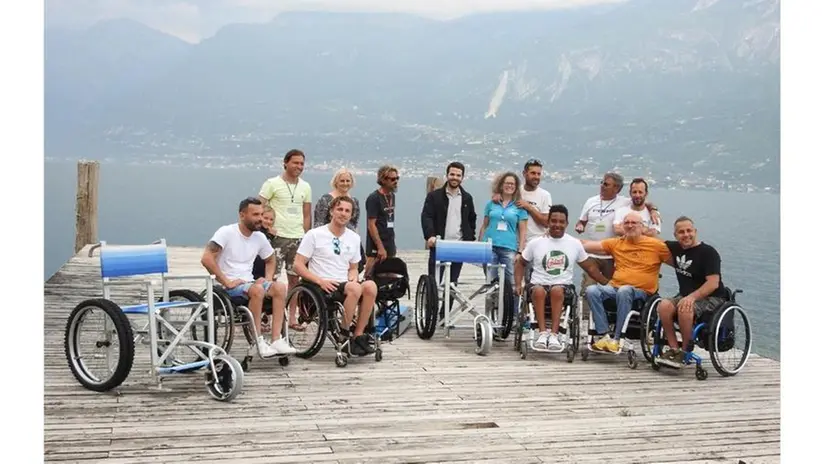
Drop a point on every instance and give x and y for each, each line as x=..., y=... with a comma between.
x=619, y=216
x=553, y=259
x=319, y=246
x=600, y=216
x=238, y=252
x=540, y=199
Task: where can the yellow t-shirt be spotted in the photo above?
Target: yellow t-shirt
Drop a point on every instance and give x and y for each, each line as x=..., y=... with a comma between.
x=287, y=200
x=637, y=264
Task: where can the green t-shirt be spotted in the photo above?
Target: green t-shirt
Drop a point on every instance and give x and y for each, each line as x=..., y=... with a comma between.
x=287, y=200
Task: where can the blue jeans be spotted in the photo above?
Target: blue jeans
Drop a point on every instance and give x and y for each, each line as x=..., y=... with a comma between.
x=507, y=257
x=624, y=297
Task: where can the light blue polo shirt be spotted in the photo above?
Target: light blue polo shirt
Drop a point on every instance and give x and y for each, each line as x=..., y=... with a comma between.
x=510, y=217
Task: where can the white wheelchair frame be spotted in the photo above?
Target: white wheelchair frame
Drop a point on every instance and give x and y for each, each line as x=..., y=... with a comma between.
x=482, y=320
x=142, y=260
x=530, y=326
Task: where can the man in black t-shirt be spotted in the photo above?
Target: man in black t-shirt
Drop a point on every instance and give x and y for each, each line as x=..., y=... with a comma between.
x=697, y=266
x=381, y=217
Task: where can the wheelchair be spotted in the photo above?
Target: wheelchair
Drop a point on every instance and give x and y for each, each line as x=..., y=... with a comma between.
x=392, y=282
x=527, y=327
x=632, y=328
x=716, y=332
x=116, y=336
x=324, y=313
x=497, y=317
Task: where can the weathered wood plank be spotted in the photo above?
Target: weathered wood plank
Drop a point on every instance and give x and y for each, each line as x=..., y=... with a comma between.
x=427, y=401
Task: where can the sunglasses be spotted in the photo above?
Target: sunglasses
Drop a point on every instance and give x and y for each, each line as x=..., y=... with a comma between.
x=392, y=179
x=336, y=246
x=534, y=162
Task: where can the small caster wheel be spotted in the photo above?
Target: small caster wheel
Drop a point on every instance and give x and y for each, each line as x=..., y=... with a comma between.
x=570, y=354
x=585, y=354
x=284, y=361
x=378, y=355
x=523, y=349
x=632, y=359
x=246, y=363
x=655, y=365
x=341, y=360
x=701, y=373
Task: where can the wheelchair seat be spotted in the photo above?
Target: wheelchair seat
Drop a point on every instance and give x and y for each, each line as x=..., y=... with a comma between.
x=568, y=300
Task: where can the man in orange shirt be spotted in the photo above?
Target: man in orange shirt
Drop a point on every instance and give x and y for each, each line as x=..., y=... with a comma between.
x=637, y=261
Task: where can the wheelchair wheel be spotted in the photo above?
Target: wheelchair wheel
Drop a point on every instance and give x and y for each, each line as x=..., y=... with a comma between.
x=311, y=310
x=484, y=337
x=426, y=307
x=729, y=343
x=520, y=327
x=648, y=320
x=223, y=313
x=506, y=324
x=77, y=344
x=227, y=381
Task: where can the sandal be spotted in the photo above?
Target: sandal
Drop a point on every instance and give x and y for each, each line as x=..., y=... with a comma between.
x=297, y=327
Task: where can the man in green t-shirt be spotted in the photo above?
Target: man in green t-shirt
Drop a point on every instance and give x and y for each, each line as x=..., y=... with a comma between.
x=291, y=199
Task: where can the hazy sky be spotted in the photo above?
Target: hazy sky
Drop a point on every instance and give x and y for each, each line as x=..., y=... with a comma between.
x=193, y=20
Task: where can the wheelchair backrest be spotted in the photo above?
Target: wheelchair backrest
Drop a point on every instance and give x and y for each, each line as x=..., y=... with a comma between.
x=391, y=278
x=133, y=260
x=455, y=251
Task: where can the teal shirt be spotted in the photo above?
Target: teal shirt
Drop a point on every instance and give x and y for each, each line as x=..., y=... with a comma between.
x=510, y=216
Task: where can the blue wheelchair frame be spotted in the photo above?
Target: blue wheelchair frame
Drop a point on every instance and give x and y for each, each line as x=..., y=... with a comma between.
x=143, y=260
x=690, y=358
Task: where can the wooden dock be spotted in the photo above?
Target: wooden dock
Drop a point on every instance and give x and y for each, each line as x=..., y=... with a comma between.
x=427, y=401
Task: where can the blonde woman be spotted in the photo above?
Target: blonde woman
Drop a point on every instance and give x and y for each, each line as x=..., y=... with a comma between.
x=341, y=184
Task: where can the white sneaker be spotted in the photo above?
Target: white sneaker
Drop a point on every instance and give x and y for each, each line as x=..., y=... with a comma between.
x=542, y=341
x=553, y=342
x=281, y=346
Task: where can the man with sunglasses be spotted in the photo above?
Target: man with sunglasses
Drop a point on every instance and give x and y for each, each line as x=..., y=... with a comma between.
x=381, y=218
x=536, y=201
x=230, y=255
x=328, y=258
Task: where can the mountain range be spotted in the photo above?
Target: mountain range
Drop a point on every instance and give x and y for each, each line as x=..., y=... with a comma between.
x=692, y=86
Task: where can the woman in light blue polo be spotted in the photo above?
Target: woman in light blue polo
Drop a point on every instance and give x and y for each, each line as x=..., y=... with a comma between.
x=506, y=225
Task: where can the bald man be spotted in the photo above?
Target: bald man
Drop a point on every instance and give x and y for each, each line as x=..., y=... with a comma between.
x=637, y=259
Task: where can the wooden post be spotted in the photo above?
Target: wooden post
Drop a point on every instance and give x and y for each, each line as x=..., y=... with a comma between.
x=433, y=182
x=86, y=218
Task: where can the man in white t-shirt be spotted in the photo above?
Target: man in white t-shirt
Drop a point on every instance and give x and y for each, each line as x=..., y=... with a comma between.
x=328, y=258
x=230, y=255
x=552, y=257
x=639, y=193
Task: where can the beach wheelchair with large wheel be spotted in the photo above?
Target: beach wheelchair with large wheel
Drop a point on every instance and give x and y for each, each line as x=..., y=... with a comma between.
x=112, y=338
x=527, y=328
x=433, y=296
x=232, y=313
x=724, y=334
x=632, y=328
x=321, y=314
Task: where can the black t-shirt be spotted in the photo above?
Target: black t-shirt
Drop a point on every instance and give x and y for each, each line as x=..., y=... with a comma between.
x=383, y=208
x=693, y=265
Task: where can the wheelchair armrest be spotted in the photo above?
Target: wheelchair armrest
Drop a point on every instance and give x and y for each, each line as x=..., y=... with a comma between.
x=190, y=277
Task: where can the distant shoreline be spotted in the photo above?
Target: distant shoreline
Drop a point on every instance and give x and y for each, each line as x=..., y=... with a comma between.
x=418, y=174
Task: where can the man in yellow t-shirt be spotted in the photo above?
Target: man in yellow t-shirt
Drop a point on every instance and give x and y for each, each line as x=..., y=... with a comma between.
x=291, y=199
x=637, y=261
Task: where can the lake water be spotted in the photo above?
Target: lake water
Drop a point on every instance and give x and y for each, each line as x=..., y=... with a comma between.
x=185, y=205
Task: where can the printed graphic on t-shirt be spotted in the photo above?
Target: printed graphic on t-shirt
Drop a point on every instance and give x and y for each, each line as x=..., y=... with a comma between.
x=555, y=263
x=682, y=265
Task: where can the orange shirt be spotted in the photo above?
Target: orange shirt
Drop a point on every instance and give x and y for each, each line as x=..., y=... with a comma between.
x=637, y=263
